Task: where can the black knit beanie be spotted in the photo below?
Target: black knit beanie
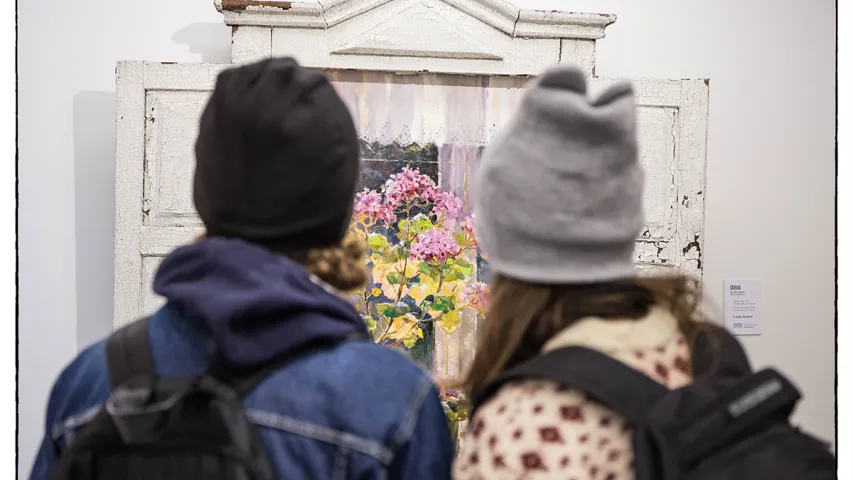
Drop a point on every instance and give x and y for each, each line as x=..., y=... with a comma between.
x=277, y=158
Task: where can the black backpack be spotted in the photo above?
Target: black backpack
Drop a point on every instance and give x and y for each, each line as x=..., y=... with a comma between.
x=169, y=428
x=730, y=424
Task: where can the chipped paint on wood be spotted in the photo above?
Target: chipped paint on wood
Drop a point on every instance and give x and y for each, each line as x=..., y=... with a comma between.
x=579, y=52
x=242, y=5
x=498, y=14
x=557, y=24
x=447, y=40
x=377, y=34
x=250, y=43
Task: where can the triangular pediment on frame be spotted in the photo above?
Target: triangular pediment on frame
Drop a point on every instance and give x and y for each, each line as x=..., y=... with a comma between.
x=499, y=14
x=418, y=31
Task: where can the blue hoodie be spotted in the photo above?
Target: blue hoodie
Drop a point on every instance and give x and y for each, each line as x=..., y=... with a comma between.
x=357, y=410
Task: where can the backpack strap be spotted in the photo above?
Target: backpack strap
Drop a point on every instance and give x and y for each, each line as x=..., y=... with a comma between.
x=129, y=352
x=718, y=355
x=610, y=382
x=764, y=398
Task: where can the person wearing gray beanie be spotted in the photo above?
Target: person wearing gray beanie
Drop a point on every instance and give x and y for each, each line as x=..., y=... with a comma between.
x=558, y=207
x=559, y=193
x=583, y=369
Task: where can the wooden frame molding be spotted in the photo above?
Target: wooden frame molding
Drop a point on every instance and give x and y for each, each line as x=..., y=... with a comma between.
x=502, y=15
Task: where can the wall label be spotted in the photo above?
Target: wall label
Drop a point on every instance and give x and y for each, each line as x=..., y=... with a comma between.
x=744, y=307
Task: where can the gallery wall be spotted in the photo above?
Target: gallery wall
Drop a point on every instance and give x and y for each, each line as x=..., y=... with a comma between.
x=770, y=199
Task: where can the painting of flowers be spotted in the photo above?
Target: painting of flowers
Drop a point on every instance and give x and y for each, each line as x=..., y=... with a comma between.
x=421, y=138
x=423, y=256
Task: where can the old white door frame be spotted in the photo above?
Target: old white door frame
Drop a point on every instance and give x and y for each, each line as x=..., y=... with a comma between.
x=475, y=37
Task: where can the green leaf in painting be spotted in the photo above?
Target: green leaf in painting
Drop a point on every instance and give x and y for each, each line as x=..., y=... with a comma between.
x=377, y=242
x=442, y=304
x=412, y=338
x=421, y=223
x=394, y=278
x=428, y=270
x=390, y=310
x=462, y=269
x=371, y=324
x=394, y=255
x=461, y=262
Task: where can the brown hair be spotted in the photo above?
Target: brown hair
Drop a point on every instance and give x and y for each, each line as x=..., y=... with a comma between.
x=523, y=316
x=343, y=267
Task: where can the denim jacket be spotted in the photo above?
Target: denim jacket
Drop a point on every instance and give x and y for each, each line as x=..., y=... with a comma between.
x=355, y=411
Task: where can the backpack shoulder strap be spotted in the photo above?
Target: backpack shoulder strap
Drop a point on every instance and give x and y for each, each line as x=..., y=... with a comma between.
x=129, y=352
x=717, y=354
x=763, y=398
x=610, y=382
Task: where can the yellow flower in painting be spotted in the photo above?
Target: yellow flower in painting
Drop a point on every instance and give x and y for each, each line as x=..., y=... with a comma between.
x=450, y=321
x=380, y=275
x=420, y=292
x=384, y=271
x=405, y=330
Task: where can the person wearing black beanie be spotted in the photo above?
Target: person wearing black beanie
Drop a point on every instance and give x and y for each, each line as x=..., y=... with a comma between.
x=277, y=163
x=277, y=158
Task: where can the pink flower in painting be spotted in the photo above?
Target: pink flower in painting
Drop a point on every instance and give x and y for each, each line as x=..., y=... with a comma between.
x=447, y=205
x=408, y=185
x=468, y=225
x=478, y=296
x=368, y=203
x=468, y=229
x=435, y=246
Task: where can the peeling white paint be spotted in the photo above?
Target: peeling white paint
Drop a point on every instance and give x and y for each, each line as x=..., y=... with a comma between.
x=249, y=44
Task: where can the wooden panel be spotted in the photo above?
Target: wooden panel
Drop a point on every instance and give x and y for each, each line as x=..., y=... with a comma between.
x=157, y=107
x=150, y=301
x=171, y=119
x=249, y=44
x=130, y=151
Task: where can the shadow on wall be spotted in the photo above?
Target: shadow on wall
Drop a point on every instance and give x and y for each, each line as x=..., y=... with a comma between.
x=210, y=40
x=94, y=193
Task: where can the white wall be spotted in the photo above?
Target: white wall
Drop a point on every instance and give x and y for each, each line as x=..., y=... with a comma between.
x=771, y=169
x=67, y=54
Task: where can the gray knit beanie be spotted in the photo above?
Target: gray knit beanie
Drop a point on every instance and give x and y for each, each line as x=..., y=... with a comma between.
x=559, y=193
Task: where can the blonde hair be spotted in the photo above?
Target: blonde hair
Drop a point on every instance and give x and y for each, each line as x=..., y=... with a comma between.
x=343, y=267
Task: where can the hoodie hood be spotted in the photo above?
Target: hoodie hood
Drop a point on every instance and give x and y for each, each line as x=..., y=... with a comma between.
x=256, y=304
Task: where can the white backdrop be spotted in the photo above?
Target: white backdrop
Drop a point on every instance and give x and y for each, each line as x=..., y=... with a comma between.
x=770, y=199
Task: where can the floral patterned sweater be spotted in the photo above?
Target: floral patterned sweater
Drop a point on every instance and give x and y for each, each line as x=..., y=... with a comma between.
x=539, y=430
